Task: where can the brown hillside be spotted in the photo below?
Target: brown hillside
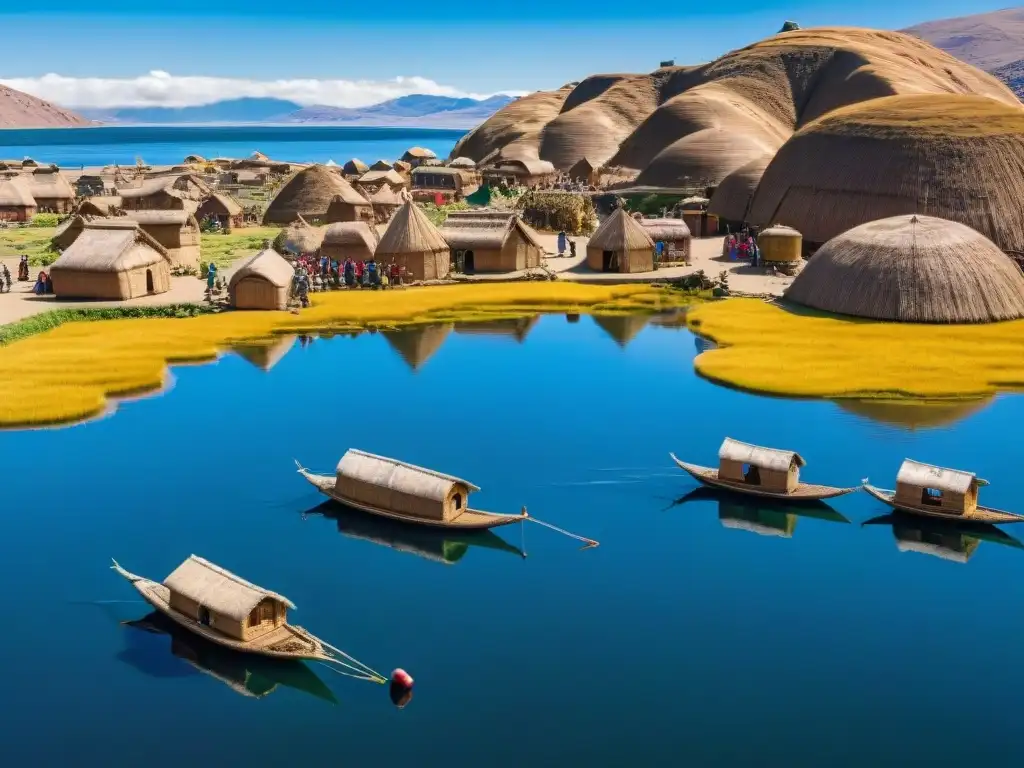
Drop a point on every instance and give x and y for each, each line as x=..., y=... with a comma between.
x=19, y=110
x=986, y=40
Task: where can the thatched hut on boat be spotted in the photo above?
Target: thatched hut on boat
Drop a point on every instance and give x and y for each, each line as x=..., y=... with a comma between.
x=309, y=193
x=16, y=202
x=414, y=243
x=223, y=209
x=620, y=244
x=401, y=488
x=263, y=282
x=354, y=240
x=492, y=242
x=768, y=468
x=947, y=491
x=674, y=234
x=418, y=344
x=730, y=201
x=914, y=269
x=176, y=231
x=224, y=602
x=111, y=259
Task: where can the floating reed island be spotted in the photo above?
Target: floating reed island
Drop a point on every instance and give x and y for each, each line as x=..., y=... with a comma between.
x=223, y=608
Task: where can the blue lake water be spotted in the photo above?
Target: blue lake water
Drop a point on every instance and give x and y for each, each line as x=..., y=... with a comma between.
x=168, y=145
x=682, y=640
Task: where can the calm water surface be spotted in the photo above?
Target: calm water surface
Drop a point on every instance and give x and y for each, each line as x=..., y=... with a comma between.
x=168, y=145
x=689, y=637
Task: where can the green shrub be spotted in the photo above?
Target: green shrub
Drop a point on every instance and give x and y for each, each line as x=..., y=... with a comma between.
x=47, y=321
x=45, y=220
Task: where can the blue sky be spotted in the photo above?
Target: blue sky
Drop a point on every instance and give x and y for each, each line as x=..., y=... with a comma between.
x=454, y=46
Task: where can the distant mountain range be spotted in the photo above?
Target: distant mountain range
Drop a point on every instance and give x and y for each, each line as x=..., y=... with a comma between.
x=417, y=109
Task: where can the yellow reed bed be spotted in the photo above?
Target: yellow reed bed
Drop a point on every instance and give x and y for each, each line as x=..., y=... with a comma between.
x=66, y=374
x=768, y=349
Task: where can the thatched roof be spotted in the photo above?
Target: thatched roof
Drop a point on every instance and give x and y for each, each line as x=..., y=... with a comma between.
x=190, y=159
x=410, y=231
x=523, y=167
x=620, y=232
x=301, y=237
x=912, y=269
x=47, y=184
x=354, y=166
x=385, y=196
x=758, y=456
x=269, y=265
x=582, y=169
x=14, y=193
x=223, y=203
x=390, y=176
x=99, y=206
x=731, y=200
x=218, y=589
x=111, y=245
x=941, y=479
x=486, y=232
x=462, y=162
x=381, y=165
x=163, y=218
x=397, y=476
x=308, y=193
x=399, y=165
x=165, y=183
x=418, y=153
x=351, y=233
x=418, y=344
x=666, y=230
x=257, y=155
x=955, y=157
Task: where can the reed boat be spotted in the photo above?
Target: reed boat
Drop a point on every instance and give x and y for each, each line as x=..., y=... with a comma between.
x=225, y=609
x=404, y=492
x=952, y=540
x=753, y=470
x=938, y=492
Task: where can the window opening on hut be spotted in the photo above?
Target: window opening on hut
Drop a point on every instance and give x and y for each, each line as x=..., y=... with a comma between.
x=268, y=611
x=467, y=261
x=458, y=500
x=931, y=497
x=204, y=615
x=751, y=474
x=254, y=617
x=149, y=281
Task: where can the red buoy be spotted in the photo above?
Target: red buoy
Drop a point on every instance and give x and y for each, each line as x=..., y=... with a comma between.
x=401, y=678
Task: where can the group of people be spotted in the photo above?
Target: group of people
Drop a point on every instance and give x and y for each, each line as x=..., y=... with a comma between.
x=325, y=273
x=742, y=247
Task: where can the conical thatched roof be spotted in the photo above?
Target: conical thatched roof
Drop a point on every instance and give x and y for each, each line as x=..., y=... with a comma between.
x=620, y=232
x=914, y=269
x=622, y=328
x=354, y=167
x=309, y=194
x=731, y=200
x=957, y=157
x=14, y=193
x=301, y=237
x=410, y=231
x=417, y=345
x=381, y=165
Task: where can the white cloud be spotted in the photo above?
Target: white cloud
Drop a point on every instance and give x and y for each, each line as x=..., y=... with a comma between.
x=162, y=89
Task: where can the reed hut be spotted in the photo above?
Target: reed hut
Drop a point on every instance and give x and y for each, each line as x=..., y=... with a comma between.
x=431, y=180
x=731, y=199
x=111, y=259
x=782, y=247
x=620, y=244
x=102, y=205
x=176, y=231
x=381, y=165
x=354, y=240
x=224, y=602
x=674, y=234
x=90, y=185
x=914, y=269
x=165, y=193
x=301, y=238
x=414, y=156
x=68, y=231
x=354, y=167
x=223, y=209
x=501, y=242
x=51, y=190
x=768, y=468
x=949, y=491
x=399, y=487
x=418, y=344
x=349, y=205
x=519, y=172
x=414, y=243
x=585, y=171
x=262, y=282
x=401, y=167
x=16, y=201
x=309, y=194
x=385, y=201
x=463, y=162
x=954, y=157
x=374, y=178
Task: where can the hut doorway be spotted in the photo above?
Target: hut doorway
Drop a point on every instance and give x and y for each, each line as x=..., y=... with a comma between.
x=149, y=281
x=467, y=261
x=931, y=497
x=751, y=474
x=457, y=498
x=204, y=615
x=607, y=260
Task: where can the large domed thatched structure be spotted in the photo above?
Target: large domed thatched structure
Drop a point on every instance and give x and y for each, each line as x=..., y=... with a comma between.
x=956, y=157
x=914, y=269
x=309, y=194
x=711, y=119
x=731, y=199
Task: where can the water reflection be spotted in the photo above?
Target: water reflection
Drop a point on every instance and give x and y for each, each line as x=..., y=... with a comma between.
x=517, y=327
x=914, y=414
x=441, y=546
x=765, y=517
x=265, y=353
x=622, y=328
x=948, y=540
x=416, y=345
x=244, y=673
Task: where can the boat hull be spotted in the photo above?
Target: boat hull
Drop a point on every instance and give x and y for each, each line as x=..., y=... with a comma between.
x=804, y=492
x=981, y=514
x=471, y=519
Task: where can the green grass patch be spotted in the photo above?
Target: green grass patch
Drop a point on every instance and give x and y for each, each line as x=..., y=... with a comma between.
x=223, y=249
x=47, y=321
x=33, y=241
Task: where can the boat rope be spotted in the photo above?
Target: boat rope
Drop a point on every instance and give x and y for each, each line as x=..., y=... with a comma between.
x=360, y=666
x=337, y=671
x=587, y=543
